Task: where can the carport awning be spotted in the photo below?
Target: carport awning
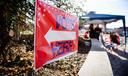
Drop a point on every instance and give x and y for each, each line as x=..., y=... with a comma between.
x=102, y=18
x=98, y=21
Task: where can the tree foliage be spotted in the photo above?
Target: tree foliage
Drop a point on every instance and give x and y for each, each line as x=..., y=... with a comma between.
x=67, y=5
x=13, y=16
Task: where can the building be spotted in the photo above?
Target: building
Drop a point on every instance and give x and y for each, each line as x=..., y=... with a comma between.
x=120, y=30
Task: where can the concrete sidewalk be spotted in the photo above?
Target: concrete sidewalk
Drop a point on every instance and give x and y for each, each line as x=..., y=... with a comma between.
x=97, y=62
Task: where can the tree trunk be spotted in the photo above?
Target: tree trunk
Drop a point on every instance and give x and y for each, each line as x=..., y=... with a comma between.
x=4, y=34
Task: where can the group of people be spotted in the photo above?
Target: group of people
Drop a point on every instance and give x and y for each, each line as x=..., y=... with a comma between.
x=94, y=32
x=114, y=38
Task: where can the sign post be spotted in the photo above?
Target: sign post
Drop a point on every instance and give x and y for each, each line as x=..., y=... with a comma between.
x=56, y=34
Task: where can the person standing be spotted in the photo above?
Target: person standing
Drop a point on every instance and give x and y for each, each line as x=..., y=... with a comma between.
x=98, y=31
x=91, y=31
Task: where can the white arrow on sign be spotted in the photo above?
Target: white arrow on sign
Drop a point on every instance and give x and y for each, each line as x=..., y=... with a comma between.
x=53, y=35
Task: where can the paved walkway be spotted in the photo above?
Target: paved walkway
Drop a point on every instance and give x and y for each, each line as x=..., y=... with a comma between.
x=97, y=62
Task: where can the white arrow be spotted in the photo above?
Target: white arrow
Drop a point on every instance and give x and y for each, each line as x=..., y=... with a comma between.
x=53, y=35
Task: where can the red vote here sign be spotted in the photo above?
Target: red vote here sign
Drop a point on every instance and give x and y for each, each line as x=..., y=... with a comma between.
x=56, y=34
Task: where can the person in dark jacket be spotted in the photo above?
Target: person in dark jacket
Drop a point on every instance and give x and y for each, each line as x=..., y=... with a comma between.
x=91, y=31
x=98, y=31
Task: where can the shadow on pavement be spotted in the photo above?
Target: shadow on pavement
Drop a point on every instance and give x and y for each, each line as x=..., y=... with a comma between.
x=119, y=66
x=121, y=53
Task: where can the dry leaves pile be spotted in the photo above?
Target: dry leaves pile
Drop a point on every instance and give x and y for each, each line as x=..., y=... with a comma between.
x=65, y=67
x=18, y=61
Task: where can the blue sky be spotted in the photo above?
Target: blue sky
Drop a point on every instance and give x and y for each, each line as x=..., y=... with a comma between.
x=116, y=7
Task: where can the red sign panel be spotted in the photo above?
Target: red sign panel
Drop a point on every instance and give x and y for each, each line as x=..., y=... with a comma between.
x=56, y=34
